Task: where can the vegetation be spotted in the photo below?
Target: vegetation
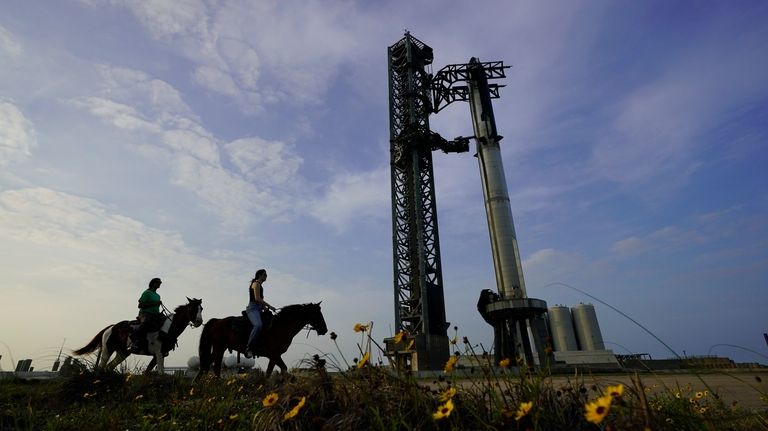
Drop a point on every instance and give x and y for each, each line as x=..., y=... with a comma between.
x=363, y=396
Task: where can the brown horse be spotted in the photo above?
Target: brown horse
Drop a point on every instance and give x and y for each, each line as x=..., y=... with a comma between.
x=232, y=333
x=114, y=338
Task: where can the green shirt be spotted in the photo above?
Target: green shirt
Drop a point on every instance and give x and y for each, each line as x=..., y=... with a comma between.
x=150, y=295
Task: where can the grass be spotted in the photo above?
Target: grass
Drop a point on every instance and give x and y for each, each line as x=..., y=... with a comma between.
x=364, y=396
x=369, y=398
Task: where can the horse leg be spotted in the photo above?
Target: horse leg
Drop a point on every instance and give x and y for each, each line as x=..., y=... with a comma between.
x=281, y=364
x=105, y=352
x=151, y=365
x=155, y=347
x=218, y=357
x=119, y=357
x=160, y=362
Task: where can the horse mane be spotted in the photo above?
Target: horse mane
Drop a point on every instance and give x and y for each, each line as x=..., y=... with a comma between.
x=176, y=310
x=290, y=310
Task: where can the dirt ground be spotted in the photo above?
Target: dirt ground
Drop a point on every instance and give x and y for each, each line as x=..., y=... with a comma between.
x=748, y=388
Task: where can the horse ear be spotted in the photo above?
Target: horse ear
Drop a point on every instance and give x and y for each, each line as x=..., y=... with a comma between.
x=188, y=300
x=318, y=304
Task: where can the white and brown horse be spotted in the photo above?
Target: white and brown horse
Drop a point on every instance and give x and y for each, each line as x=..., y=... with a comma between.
x=114, y=338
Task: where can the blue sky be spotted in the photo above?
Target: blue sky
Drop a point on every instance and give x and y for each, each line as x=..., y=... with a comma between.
x=200, y=140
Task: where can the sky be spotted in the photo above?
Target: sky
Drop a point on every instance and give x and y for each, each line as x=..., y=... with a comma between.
x=200, y=140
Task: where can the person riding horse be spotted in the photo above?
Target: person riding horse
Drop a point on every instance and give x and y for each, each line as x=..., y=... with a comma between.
x=255, y=308
x=150, y=317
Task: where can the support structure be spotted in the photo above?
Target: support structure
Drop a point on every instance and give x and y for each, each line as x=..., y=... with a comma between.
x=418, y=277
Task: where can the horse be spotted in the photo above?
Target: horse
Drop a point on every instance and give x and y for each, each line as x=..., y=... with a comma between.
x=114, y=338
x=231, y=333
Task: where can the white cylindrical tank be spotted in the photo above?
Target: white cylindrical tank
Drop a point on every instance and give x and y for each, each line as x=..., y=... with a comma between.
x=586, y=326
x=561, y=325
x=193, y=363
x=232, y=362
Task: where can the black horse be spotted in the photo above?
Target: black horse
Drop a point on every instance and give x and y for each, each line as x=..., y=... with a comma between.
x=232, y=333
x=114, y=338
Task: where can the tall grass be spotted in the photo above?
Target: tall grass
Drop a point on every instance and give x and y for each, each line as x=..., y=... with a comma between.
x=325, y=394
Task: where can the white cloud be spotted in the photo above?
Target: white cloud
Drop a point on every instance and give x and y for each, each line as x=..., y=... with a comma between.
x=147, y=94
x=190, y=142
x=117, y=114
x=8, y=44
x=17, y=134
x=267, y=180
x=666, y=239
x=167, y=18
x=549, y=264
x=352, y=197
x=216, y=80
x=237, y=45
x=659, y=129
x=263, y=161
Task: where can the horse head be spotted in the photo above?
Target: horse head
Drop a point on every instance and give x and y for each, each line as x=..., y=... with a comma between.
x=194, y=309
x=315, y=318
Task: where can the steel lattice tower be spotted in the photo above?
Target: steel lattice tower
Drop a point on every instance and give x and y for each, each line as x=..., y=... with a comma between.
x=418, y=279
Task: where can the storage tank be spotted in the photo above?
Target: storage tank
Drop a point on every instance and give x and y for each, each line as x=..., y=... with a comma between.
x=563, y=335
x=587, y=330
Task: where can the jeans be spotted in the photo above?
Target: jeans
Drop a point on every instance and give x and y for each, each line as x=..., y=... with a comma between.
x=254, y=315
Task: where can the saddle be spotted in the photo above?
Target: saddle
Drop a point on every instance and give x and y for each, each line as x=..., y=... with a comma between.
x=241, y=325
x=162, y=335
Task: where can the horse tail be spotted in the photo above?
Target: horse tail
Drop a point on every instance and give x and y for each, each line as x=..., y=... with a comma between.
x=205, y=349
x=94, y=344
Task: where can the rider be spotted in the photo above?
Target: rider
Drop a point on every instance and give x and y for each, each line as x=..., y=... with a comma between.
x=256, y=305
x=150, y=317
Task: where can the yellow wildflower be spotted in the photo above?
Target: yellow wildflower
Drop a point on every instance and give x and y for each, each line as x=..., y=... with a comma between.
x=448, y=394
x=699, y=394
x=138, y=397
x=364, y=360
x=399, y=336
x=504, y=363
x=410, y=344
x=443, y=411
x=615, y=391
x=295, y=410
x=192, y=392
x=270, y=400
x=359, y=327
x=234, y=416
x=596, y=410
x=451, y=363
x=523, y=410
